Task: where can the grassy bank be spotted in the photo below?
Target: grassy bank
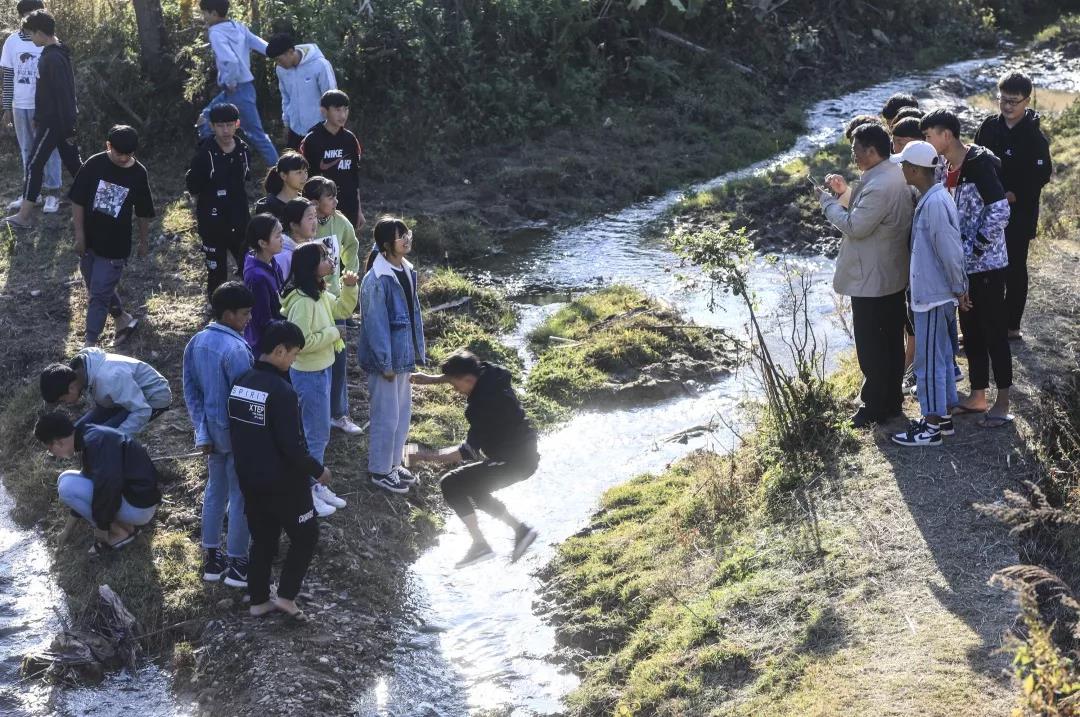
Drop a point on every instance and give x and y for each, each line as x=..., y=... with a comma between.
x=619, y=343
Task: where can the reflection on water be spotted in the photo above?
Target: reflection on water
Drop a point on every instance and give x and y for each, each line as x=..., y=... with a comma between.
x=492, y=652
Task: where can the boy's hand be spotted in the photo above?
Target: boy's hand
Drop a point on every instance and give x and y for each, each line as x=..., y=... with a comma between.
x=389, y=375
x=6, y=121
x=1011, y=197
x=425, y=379
x=206, y=449
x=80, y=244
x=230, y=88
x=325, y=477
x=965, y=302
x=349, y=278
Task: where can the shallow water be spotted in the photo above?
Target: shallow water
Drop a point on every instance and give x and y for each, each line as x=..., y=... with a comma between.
x=491, y=652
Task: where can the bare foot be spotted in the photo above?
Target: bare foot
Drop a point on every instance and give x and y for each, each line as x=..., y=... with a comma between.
x=288, y=607
x=262, y=609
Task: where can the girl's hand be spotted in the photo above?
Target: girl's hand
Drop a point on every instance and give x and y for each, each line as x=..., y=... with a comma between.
x=349, y=278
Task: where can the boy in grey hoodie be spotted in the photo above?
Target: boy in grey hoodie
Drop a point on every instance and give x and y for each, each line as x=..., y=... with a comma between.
x=126, y=393
x=938, y=282
x=303, y=74
x=233, y=43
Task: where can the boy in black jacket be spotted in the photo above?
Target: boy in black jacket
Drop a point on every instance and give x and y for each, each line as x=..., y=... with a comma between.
x=217, y=179
x=117, y=488
x=499, y=450
x=334, y=152
x=1014, y=136
x=273, y=465
x=55, y=111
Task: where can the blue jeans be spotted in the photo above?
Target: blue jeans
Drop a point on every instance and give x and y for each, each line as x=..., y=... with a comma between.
x=244, y=99
x=77, y=492
x=391, y=411
x=313, y=388
x=954, y=333
x=339, y=389
x=223, y=488
x=24, y=134
x=934, y=361
x=101, y=276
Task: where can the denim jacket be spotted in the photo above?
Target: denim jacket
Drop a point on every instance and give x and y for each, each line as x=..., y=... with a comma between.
x=387, y=341
x=213, y=360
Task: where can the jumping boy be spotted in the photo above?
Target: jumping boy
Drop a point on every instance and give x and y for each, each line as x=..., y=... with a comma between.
x=233, y=43
x=218, y=181
x=1014, y=136
x=109, y=188
x=116, y=491
x=499, y=450
x=303, y=75
x=55, y=110
x=938, y=283
x=213, y=360
x=18, y=74
x=126, y=393
x=274, y=468
x=333, y=151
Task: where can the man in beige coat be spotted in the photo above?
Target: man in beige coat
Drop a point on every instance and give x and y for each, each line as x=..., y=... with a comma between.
x=872, y=268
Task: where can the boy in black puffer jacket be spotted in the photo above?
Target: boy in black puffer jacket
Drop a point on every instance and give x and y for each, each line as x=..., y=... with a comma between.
x=499, y=450
x=217, y=179
x=1015, y=137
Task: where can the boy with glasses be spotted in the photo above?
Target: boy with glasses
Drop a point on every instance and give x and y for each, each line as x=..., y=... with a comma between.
x=1014, y=136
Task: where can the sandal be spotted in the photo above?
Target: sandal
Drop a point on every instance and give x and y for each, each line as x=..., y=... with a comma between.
x=962, y=410
x=100, y=547
x=990, y=421
x=13, y=222
x=125, y=333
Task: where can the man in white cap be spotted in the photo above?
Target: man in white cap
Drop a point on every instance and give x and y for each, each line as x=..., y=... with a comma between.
x=938, y=282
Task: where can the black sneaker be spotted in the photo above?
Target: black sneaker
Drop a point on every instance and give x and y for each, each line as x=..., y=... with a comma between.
x=389, y=482
x=945, y=425
x=918, y=434
x=405, y=476
x=236, y=575
x=478, y=552
x=213, y=565
x=524, y=538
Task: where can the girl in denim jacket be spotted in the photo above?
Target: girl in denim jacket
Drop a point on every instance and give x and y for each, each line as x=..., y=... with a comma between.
x=391, y=346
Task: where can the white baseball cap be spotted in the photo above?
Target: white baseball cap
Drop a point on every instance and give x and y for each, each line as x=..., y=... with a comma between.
x=918, y=153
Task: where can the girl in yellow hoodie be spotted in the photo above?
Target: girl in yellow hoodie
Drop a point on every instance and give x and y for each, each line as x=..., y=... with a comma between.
x=310, y=306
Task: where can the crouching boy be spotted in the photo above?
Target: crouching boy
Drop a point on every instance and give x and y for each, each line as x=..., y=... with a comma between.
x=274, y=468
x=938, y=283
x=117, y=488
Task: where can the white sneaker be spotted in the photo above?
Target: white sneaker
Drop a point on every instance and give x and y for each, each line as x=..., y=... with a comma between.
x=329, y=496
x=322, y=508
x=346, y=425
x=52, y=205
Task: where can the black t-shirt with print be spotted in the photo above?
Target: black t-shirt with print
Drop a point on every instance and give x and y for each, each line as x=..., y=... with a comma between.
x=109, y=194
x=336, y=157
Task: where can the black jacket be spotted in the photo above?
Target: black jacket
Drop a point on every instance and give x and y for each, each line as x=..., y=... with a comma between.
x=497, y=423
x=1026, y=167
x=272, y=459
x=117, y=466
x=217, y=181
x=54, y=98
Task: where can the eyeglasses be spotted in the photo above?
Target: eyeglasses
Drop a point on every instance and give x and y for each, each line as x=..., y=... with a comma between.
x=1010, y=101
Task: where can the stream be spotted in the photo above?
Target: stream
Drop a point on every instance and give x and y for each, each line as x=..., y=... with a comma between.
x=481, y=647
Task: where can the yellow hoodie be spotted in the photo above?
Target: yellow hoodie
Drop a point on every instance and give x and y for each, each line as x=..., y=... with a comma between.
x=316, y=319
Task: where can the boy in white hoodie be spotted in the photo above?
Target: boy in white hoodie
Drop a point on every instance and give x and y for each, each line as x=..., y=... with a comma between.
x=303, y=74
x=233, y=43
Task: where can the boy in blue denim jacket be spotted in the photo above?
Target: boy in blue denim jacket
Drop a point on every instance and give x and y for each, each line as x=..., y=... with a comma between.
x=391, y=345
x=213, y=360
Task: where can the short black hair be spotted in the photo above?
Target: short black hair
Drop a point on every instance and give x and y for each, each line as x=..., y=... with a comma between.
x=51, y=426
x=318, y=187
x=1015, y=83
x=40, y=21
x=873, y=135
x=908, y=128
x=461, y=363
x=230, y=296
x=55, y=381
x=123, y=138
x=25, y=7
x=908, y=112
x=896, y=103
x=280, y=333
x=224, y=112
x=221, y=7
x=279, y=44
x=941, y=118
x=334, y=98
x=856, y=122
